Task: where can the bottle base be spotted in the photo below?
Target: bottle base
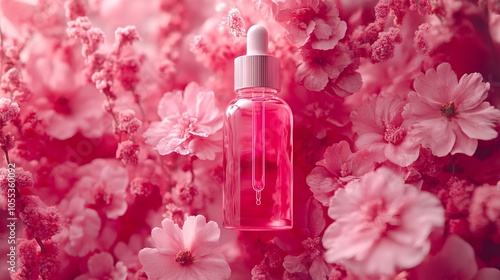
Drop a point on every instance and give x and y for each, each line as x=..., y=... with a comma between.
x=260, y=226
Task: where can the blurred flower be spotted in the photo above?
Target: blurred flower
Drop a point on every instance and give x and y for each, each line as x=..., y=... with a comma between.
x=311, y=21
x=101, y=266
x=191, y=124
x=455, y=260
x=188, y=253
x=449, y=116
x=381, y=225
x=484, y=215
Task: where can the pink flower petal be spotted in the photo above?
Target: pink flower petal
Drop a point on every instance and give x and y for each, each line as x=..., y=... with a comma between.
x=200, y=236
x=159, y=266
x=436, y=85
x=168, y=239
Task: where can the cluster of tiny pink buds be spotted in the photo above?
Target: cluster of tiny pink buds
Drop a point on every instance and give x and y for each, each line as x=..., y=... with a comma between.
x=90, y=37
x=12, y=83
x=35, y=263
x=8, y=110
x=236, y=23
x=186, y=192
x=41, y=222
x=127, y=70
x=125, y=36
x=127, y=122
x=140, y=187
x=128, y=152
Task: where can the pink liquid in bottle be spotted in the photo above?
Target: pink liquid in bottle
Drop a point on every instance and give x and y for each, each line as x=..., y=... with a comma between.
x=258, y=180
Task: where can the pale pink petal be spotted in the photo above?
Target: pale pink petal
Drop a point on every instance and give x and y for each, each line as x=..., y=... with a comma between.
x=319, y=270
x=158, y=130
x=479, y=124
x=294, y=264
x=470, y=91
x=487, y=273
x=168, y=239
x=322, y=185
x=436, y=134
x=199, y=236
x=158, y=265
x=464, y=144
x=211, y=266
x=171, y=104
x=335, y=156
x=436, y=85
x=313, y=77
x=403, y=154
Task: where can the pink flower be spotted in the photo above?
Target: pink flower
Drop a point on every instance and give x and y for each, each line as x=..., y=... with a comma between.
x=79, y=235
x=101, y=266
x=455, y=260
x=8, y=110
x=316, y=21
x=449, y=116
x=381, y=224
x=379, y=125
x=191, y=124
x=484, y=215
x=338, y=167
x=103, y=183
x=188, y=253
x=329, y=71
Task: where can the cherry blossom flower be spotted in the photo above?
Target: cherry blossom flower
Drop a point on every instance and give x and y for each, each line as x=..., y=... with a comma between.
x=449, y=116
x=311, y=21
x=379, y=125
x=329, y=71
x=338, y=167
x=381, y=225
x=103, y=183
x=101, y=266
x=81, y=229
x=188, y=253
x=191, y=124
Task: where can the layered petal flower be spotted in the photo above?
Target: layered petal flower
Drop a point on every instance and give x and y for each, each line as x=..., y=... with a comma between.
x=191, y=124
x=188, y=253
x=448, y=115
x=381, y=225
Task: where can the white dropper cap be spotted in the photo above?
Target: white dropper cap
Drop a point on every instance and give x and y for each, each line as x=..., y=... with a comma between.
x=257, y=68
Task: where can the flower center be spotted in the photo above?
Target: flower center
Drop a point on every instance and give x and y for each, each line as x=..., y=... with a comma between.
x=394, y=134
x=378, y=216
x=448, y=110
x=184, y=257
x=187, y=124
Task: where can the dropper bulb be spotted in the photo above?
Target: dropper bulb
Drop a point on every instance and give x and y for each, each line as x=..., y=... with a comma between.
x=257, y=40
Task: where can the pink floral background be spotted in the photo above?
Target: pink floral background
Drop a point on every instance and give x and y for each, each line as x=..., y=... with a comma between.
x=112, y=111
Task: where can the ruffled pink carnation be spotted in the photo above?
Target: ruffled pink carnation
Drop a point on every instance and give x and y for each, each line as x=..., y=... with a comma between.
x=191, y=124
x=338, y=167
x=188, y=253
x=311, y=21
x=449, y=116
x=379, y=125
x=381, y=225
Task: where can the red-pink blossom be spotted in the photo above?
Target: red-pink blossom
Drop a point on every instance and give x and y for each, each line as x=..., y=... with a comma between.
x=188, y=253
x=313, y=21
x=8, y=110
x=41, y=221
x=381, y=225
x=449, y=116
x=338, y=167
x=191, y=124
x=236, y=23
x=379, y=125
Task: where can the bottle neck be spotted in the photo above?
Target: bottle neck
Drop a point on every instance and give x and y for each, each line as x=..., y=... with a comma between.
x=256, y=92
